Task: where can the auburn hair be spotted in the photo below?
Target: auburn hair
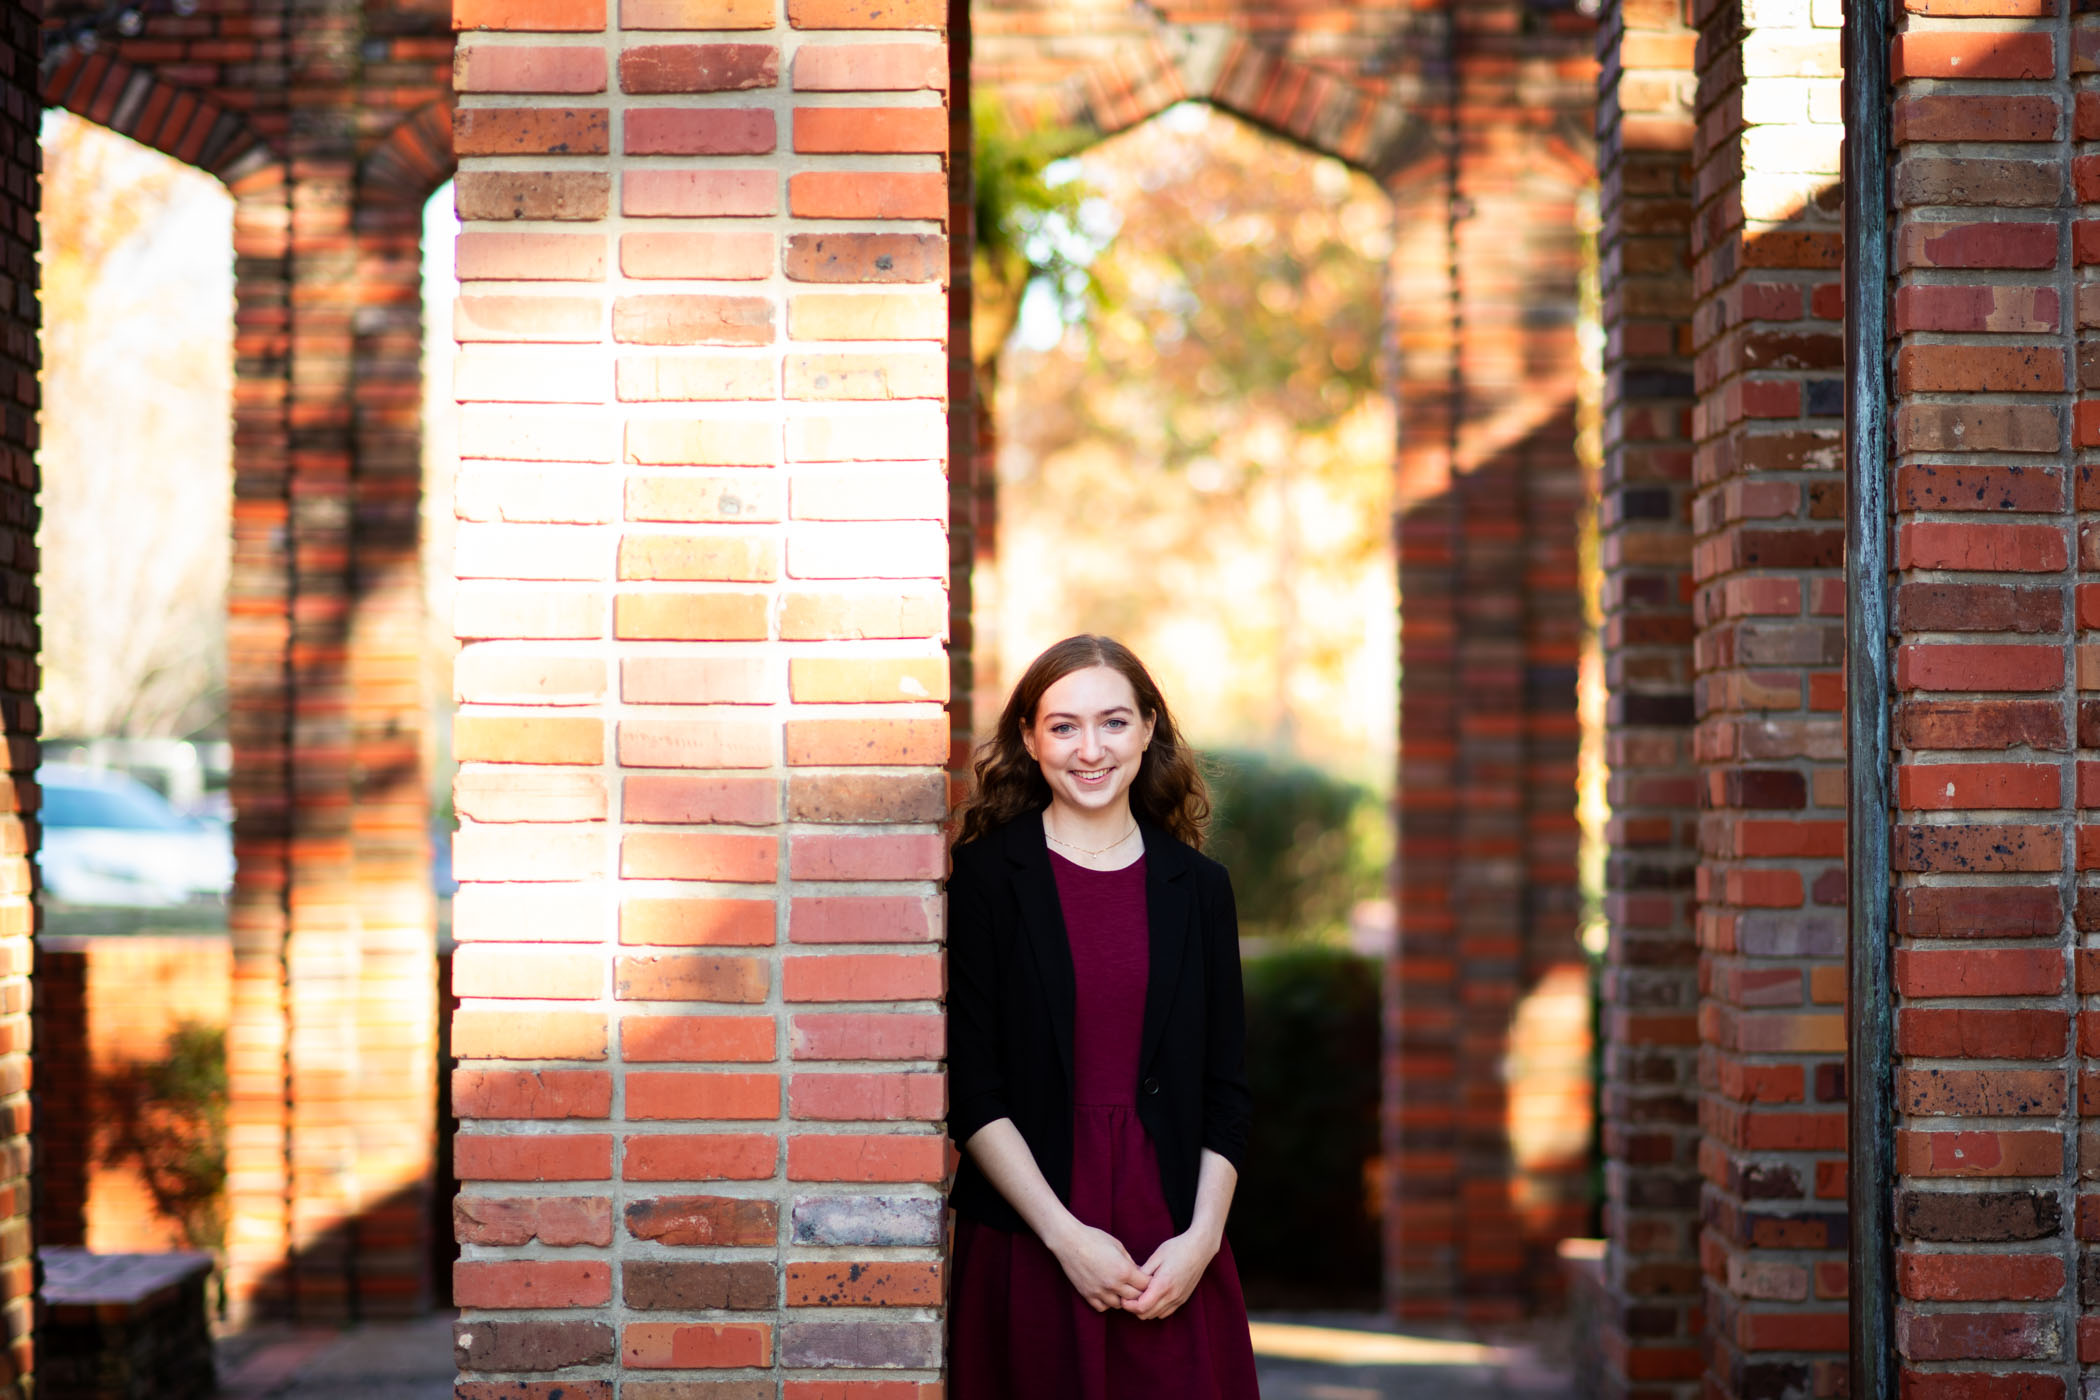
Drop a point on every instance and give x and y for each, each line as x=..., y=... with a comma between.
x=1168, y=790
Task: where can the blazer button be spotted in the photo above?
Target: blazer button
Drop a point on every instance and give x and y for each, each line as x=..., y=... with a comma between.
x=1150, y=1086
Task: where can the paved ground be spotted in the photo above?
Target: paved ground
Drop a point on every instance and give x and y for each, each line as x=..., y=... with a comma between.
x=1301, y=1357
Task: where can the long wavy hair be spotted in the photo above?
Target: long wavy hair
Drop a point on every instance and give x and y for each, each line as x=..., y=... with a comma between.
x=1168, y=790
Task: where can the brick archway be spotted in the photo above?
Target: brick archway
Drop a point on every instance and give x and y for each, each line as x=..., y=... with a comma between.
x=332, y=1043
x=177, y=121
x=1486, y=179
x=1372, y=129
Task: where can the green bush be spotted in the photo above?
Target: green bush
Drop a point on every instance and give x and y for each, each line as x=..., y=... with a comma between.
x=1303, y=846
x=1305, y=1219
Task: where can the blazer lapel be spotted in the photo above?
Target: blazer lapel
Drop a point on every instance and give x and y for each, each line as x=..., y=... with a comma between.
x=1043, y=920
x=1169, y=912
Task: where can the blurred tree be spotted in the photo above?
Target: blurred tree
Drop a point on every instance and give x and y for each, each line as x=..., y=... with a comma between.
x=1023, y=219
x=1200, y=463
x=136, y=437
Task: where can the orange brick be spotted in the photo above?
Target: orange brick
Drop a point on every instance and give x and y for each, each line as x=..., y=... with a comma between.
x=698, y=14
x=528, y=1035
x=688, y=616
x=699, y=1157
x=515, y=16
x=862, y=977
x=834, y=680
x=696, y=1039
x=871, y=130
x=531, y=1283
x=867, y=194
x=675, y=1094
x=697, y=922
x=858, y=1157
x=871, y=1283
x=531, y=257
x=695, y=1345
x=548, y=1157
x=528, y=739
x=681, y=855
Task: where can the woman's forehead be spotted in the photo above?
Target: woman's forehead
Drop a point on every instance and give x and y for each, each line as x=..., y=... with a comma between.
x=1091, y=690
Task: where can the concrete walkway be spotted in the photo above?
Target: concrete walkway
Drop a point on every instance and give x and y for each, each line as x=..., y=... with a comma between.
x=1300, y=1357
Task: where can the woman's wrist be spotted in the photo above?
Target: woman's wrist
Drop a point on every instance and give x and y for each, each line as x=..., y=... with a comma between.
x=1211, y=1237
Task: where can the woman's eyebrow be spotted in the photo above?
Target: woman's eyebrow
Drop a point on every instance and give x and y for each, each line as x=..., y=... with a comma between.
x=1112, y=710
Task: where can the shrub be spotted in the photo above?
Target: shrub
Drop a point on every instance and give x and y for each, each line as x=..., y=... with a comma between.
x=1303, y=846
x=1305, y=1220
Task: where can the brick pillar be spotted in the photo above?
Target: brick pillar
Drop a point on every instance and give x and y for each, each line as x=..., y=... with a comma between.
x=393, y=1109
x=1650, y=986
x=18, y=686
x=1768, y=523
x=1489, y=498
x=1992, y=865
x=258, y=641
x=702, y=744
x=333, y=1026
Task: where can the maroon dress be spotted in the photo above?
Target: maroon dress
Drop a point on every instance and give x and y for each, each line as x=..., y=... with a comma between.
x=1020, y=1331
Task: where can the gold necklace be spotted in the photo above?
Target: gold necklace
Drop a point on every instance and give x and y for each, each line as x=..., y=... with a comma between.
x=1084, y=851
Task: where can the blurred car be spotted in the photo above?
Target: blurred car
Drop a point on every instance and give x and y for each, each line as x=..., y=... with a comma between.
x=112, y=841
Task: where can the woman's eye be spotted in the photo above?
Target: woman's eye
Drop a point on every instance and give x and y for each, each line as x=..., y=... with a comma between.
x=1118, y=724
x=1062, y=729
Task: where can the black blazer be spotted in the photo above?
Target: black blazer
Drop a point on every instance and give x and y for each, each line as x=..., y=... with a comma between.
x=1010, y=1015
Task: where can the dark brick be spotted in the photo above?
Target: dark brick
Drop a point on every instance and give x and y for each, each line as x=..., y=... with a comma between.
x=1986, y=724
x=530, y=1346
x=1977, y=1217
x=1978, y=607
x=692, y=1285
x=867, y=257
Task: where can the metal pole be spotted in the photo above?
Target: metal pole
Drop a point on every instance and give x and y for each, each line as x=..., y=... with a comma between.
x=1869, y=1017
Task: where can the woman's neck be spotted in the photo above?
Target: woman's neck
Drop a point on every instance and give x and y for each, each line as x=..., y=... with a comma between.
x=1104, y=840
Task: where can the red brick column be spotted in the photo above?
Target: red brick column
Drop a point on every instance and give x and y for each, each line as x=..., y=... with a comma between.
x=1768, y=522
x=1991, y=862
x=18, y=686
x=1482, y=1182
x=18, y=710
x=258, y=640
x=702, y=744
x=1650, y=987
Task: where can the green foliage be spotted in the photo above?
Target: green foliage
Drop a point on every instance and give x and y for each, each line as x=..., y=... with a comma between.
x=1305, y=1218
x=1023, y=219
x=1303, y=846
x=169, y=1117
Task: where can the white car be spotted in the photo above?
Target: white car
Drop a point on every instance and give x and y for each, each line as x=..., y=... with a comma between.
x=110, y=840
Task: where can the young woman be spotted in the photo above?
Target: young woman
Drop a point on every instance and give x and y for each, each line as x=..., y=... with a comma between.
x=1095, y=1034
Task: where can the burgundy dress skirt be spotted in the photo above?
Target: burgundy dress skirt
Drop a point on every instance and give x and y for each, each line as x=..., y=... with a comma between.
x=1019, y=1330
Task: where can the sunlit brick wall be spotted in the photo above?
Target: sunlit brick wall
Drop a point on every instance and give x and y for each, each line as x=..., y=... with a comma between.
x=701, y=566
x=1649, y=988
x=1768, y=525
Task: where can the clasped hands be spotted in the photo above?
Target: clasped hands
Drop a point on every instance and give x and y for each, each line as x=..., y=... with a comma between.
x=1102, y=1270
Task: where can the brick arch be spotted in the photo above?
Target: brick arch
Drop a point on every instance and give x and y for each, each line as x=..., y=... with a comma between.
x=415, y=158
x=1357, y=123
x=174, y=120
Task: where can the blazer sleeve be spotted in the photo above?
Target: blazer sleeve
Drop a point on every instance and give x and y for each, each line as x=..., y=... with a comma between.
x=976, y=1085
x=1228, y=1103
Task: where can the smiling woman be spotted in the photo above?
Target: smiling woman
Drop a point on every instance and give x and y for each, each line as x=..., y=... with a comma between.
x=1096, y=1033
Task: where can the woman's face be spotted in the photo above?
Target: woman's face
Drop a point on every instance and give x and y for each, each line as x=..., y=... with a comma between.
x=1088, y=736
